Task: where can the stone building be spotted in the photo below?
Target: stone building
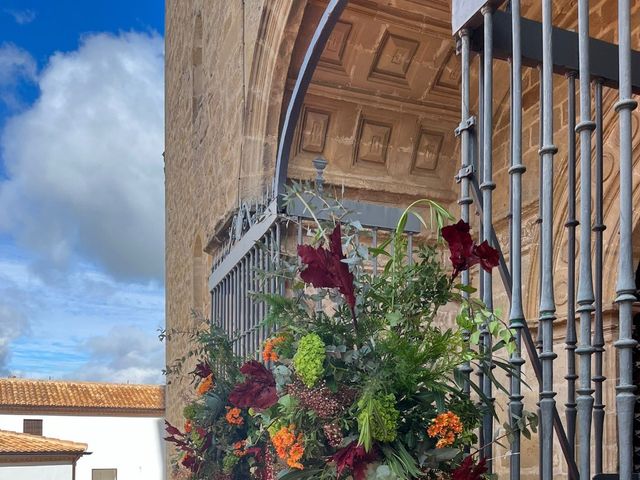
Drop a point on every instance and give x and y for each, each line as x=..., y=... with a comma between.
x=382, y=107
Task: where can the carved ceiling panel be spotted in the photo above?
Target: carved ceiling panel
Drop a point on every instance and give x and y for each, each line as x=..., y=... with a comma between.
x=383, y=102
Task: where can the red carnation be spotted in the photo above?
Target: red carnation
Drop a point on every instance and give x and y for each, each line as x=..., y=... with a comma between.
x=326, y=269
x=468, y=470
x=354, y=458
x=258, y=390
x=463, y=253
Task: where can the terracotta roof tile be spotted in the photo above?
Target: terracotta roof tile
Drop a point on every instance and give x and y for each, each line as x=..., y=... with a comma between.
x=16, y=443
x=48, y=394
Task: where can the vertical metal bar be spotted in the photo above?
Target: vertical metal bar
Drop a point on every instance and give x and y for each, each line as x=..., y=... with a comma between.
x=516, y=314
x=480, y=162
x=585, y=297
x=598, y=335
x=571, y=338
x=256, y=306
x=250, y=303
x=625, y=287
x=247, y=307
x=466, y=161
x=547, y=301
x=540, y=248
x=242, y=310
x=237, y=318
x=487, y=188
x=261, y=287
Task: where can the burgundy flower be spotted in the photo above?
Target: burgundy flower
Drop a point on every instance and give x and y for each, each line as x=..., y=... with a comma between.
x=468, y=470
x=487, y=256
x=202, y=370
x=190, y=462
x=355, y=458
x=463, y=253
x=326, y=269
x=258, y=390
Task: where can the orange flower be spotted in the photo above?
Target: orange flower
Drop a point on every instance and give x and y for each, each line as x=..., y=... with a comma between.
x=206, y=384
x=446, y=426
x=288, y=447
x=187, y=426
x=234, y=417
x=239, y=448
x=268, y=353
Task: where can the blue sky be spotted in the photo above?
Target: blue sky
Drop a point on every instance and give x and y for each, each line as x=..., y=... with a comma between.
x=81, y=189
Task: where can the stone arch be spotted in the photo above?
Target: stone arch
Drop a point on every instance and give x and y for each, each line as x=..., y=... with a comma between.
x=277, y=33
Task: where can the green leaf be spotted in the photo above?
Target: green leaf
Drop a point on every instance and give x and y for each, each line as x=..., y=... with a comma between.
x=393, y=318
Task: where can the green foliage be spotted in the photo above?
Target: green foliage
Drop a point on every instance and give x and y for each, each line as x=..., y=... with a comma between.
x=309, y=359
x=377, y=419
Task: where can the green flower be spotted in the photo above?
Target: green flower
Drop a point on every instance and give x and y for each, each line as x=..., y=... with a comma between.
x=189, y=412
x=379, y=417
x=309, y=359
x=229, y=462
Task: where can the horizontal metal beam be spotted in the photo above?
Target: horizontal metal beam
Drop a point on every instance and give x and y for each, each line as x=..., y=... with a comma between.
x=603, y=55
x=467, y=13
x=370, y=215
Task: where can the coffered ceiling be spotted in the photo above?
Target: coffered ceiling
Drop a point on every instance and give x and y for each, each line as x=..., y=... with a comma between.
x=383, y=103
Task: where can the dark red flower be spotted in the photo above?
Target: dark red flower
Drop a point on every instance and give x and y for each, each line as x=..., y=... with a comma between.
x=354, y=458
x=202, y=370
x=468, y=470
x=463, y=253
x=190, y=462
x=326, y=269
x=487, y=256
x=258, y=390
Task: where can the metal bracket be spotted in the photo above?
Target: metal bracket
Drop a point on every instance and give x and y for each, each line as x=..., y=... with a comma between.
x=465, y=172
x=467, y=124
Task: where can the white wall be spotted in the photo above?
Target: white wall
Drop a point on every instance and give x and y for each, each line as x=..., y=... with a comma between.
x=40, y=472
x=133, y=445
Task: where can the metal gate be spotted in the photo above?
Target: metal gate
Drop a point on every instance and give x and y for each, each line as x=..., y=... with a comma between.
x=494, y=34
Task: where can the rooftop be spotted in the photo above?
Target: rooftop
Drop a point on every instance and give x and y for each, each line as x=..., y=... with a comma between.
x=13, y=443
x=26, y=396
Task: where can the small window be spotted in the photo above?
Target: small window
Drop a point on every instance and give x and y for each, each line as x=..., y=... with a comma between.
x=32, y=427
x=104, y=474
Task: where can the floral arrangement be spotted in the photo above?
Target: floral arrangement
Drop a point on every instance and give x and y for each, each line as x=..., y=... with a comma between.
x=358, y=380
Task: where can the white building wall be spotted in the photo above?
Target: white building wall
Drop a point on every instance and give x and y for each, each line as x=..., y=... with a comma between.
x=133, y=445
x=40, y=472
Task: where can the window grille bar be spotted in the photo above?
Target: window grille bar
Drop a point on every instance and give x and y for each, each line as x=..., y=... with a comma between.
x=571, y=339
x=598, y=334
x=255, y=311
x=547, y=302
x=625, y=287
x=516, y=314
x=487, y=188
x=467, y=161
x=585, y=296
x=540, y=248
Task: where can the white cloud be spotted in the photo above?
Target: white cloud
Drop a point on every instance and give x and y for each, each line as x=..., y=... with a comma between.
x=126, y=354
x=16, y=66
x=13, y=323
x=84, y=163
x=22, y=17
